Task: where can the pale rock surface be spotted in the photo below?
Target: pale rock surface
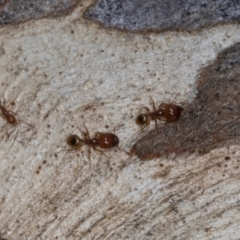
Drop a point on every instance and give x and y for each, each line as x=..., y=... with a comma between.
x=66, y=72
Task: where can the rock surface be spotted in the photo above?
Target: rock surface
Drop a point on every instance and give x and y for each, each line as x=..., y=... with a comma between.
x=64, y=73
x=158, y=15
x=17, y=11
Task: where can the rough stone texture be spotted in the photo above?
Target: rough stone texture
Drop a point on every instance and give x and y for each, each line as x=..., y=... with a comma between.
x=158, y=15
x=213, y=118
x=2, y=3
x=16, y=11
x=62, y=74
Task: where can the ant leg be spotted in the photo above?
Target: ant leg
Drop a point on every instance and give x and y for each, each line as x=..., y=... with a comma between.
x=146, y=109
x=68, y=150
x=9, y=133
x=141, y=129
x=153, y=104
x=100, y=152
x=123, y=151
x=156, y=126
x=85, y=134
x=6, y=126
x=86, y=130
x=30, y=125
x=89, y=157
x=146, y=125
x=116, y=128
x=143, y=108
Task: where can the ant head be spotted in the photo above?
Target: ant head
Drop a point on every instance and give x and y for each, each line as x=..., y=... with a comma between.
x=142, y=119
x=74, y=141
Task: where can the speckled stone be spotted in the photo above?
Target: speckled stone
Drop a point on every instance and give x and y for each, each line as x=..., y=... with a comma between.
x=211, y=120
x=16, y=11
x=142, y=15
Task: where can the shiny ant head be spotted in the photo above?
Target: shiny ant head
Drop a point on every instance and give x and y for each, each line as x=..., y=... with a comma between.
x=74, y=141
x=142, y=119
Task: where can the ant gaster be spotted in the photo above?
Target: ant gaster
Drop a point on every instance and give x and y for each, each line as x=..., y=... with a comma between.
x=166, y=112
x=101, y=140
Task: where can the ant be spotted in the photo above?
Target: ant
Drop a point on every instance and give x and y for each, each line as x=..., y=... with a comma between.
x=101, y=140
x=10, y=116
x=166, y=112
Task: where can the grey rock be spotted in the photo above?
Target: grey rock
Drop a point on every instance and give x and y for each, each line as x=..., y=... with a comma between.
x=16, y=11
x=158, y=15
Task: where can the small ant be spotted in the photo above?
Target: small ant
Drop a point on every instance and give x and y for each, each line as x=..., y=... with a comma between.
x=9, y=116
x=166, y=112
x=101, y=140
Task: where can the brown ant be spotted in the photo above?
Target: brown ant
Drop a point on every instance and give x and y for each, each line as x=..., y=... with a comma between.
x=166, y=112
x=101, y=140
x=10, y=116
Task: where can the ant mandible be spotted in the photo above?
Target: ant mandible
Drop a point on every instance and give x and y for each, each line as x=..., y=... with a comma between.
x=166, y=112
x=101, y=140
x=9, y=116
